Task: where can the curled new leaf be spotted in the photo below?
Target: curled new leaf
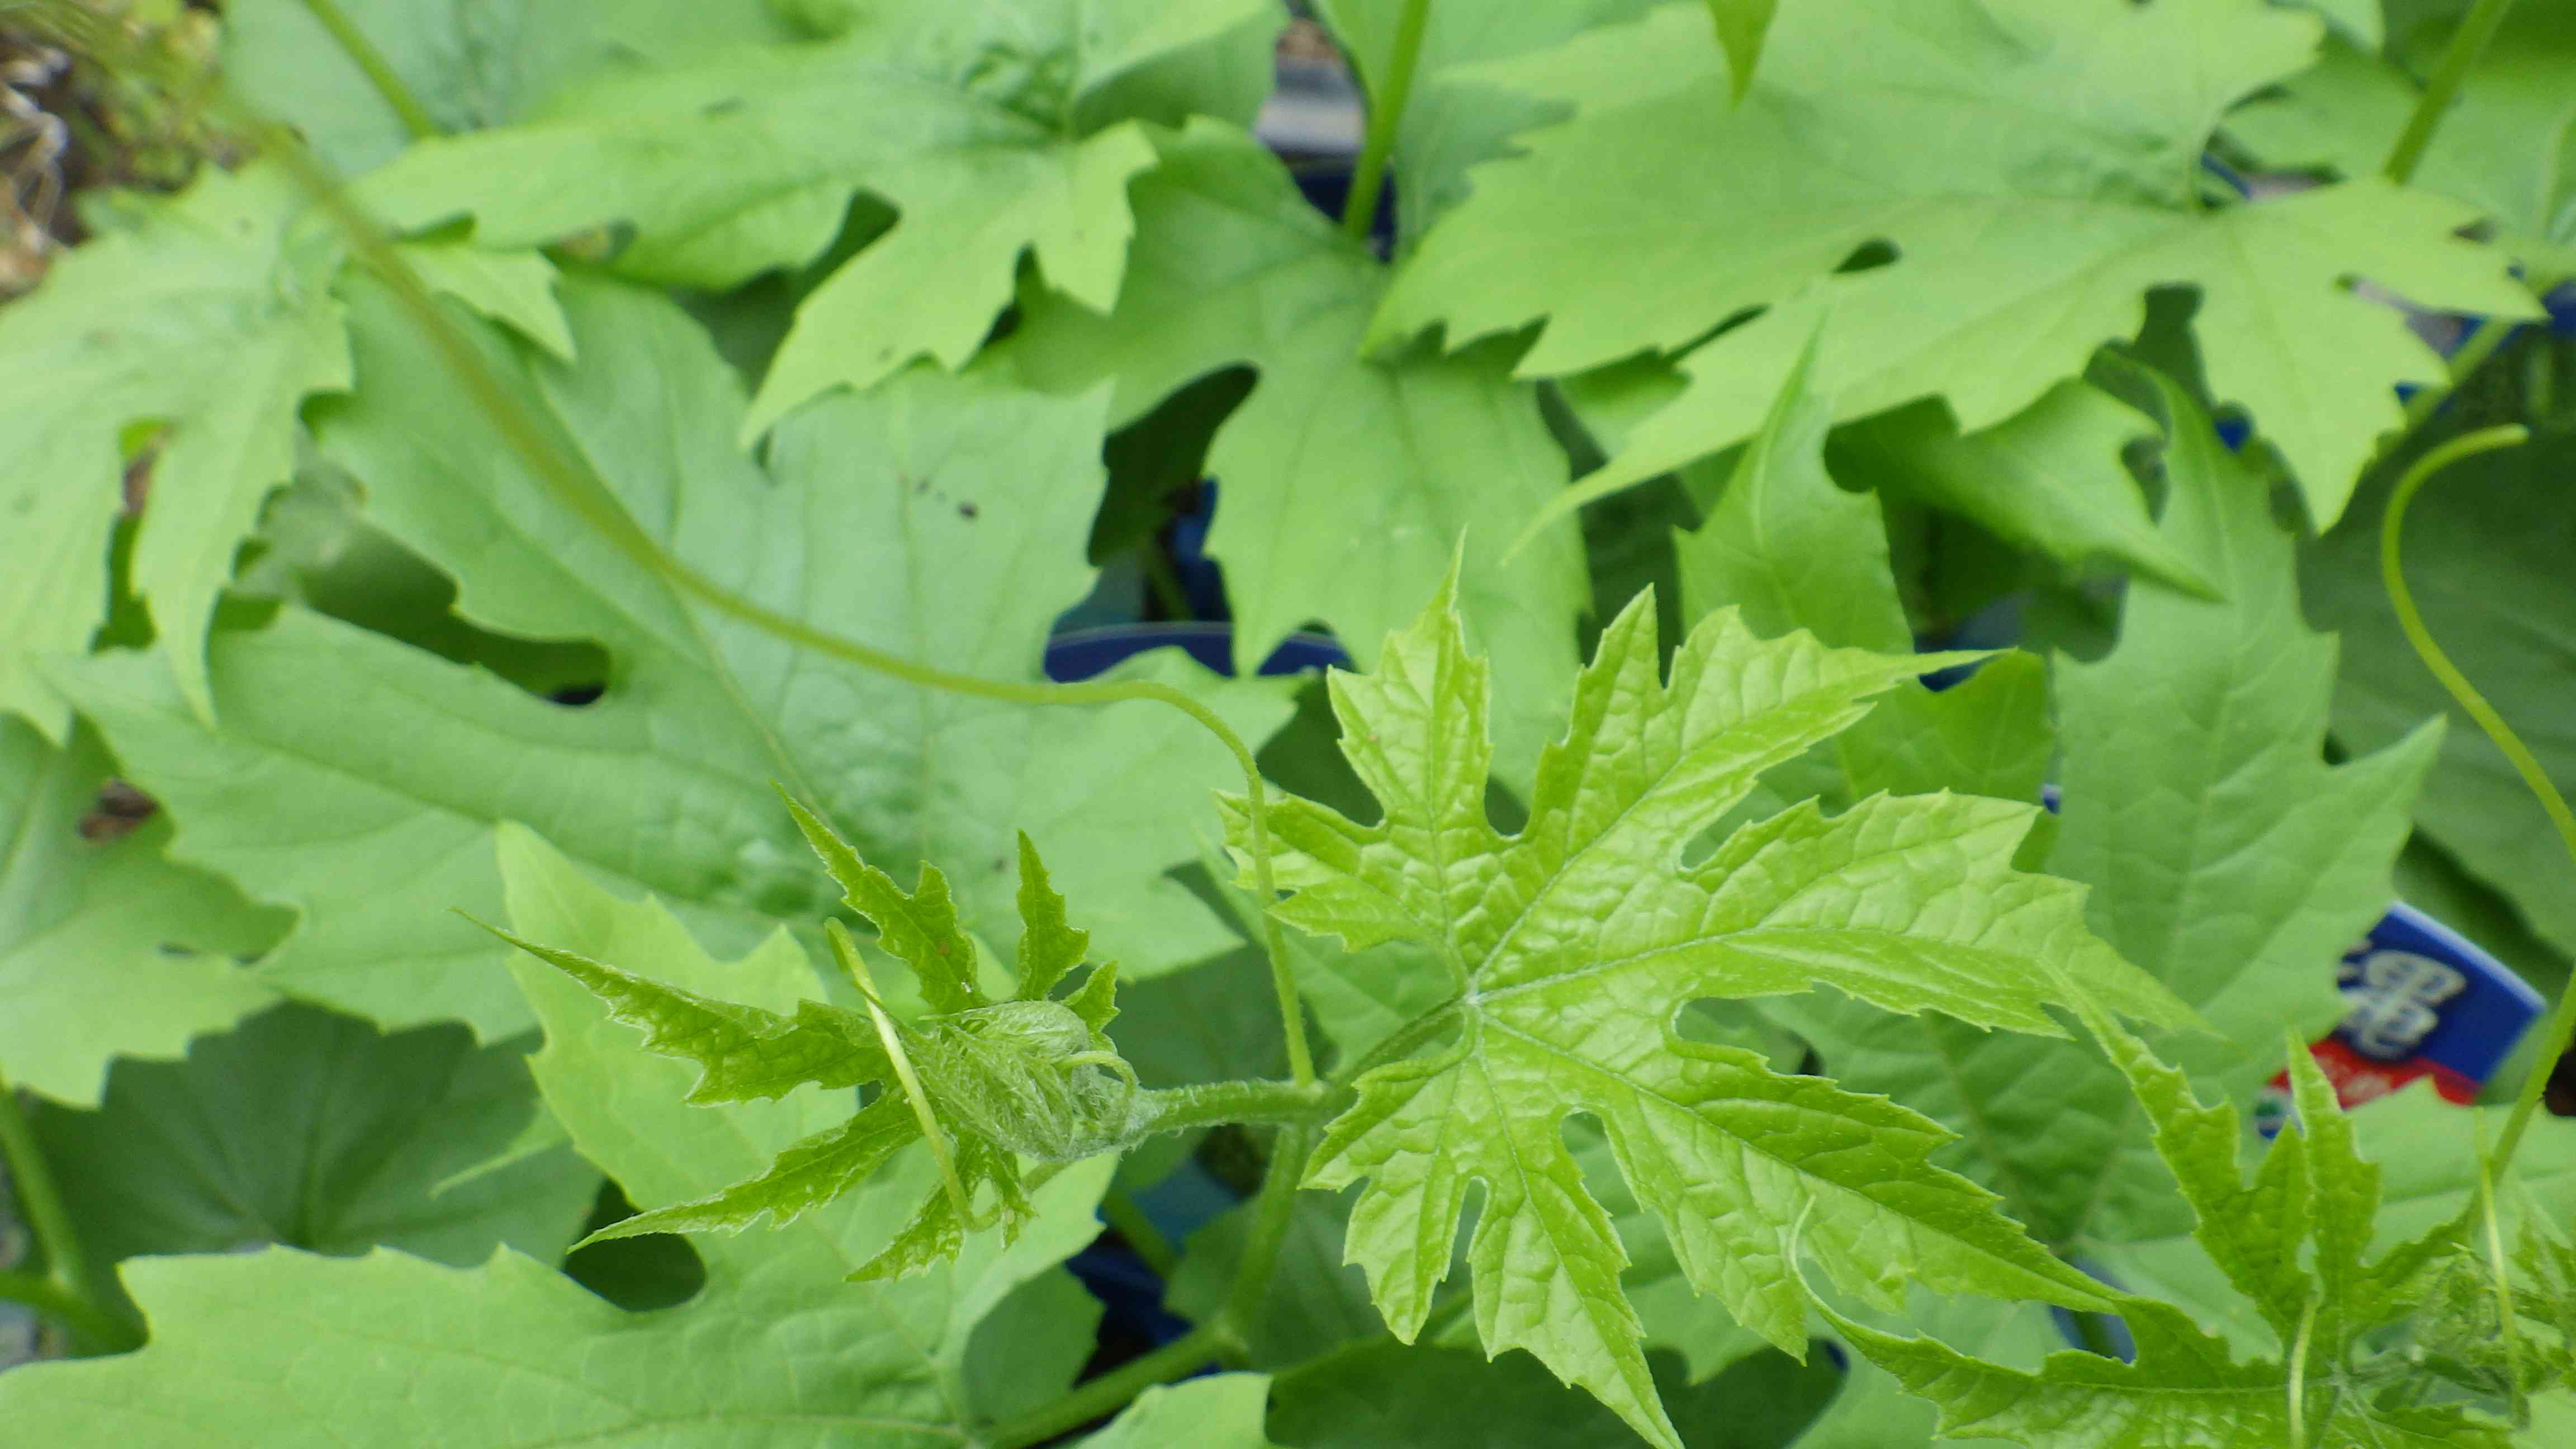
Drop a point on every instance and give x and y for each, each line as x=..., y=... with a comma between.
x=982, y=1082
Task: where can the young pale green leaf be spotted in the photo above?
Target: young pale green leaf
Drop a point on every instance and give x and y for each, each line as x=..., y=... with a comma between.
x=1344, y=479
x=989, y=1079
x=282, y=1350
x=970, y=121
x=2035, y=176
x=1571, y=946
x=315, y=1131
x=107, y=948
x=936, y=519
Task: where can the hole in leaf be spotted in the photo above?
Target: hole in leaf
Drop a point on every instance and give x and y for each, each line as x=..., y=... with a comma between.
x=1869, y=256
x=657, y=1270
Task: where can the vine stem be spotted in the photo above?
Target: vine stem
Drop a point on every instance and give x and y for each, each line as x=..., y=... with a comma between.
x=1385, y=118
x=67, y=1291
x=2467, y=44
x=379, y=71
x=2560, y=1031
x=1111, y=1391
x=1271, y=1213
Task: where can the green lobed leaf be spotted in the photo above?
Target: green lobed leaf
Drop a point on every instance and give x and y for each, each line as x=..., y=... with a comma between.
x=108, y=949
x=2034, y=169
x=312, y=1130
x=2225, y=857
x=969, y=121
x=1379, y=1394
x=1220, y=1411
x=470, y=63
x=206, y=323
x=2050, y=477
x=1572, y=944
x=1340, y=479
x=936, y=519
x=282, y=1350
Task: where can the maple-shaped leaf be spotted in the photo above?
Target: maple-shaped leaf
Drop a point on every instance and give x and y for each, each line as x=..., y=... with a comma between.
x=202, y=323
x=285, y=1350
x=2295, y=1240
x=107, y=948
x=356, y=776
x=2033, y=166
x=1027, y=1074
x=313, y=1130
x=1341, y=478
x=466, y=63
x=1571, y=947
x=979, y=124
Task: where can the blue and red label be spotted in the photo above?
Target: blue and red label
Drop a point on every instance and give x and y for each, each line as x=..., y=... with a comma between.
x=2421, y=1000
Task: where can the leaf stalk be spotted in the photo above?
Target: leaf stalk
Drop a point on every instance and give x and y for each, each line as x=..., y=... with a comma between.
x=379, y=71
x=1272, y=1211
x=67, y=1292
x=1385, y=119
x=1109, y=1392
x=2469, y=42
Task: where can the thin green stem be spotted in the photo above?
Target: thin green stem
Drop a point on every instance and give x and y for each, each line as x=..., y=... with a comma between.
x=1119, y=1209
x=2467, y=44
x=92, y=1326
x=2508, y=1317
x=2490, y=334
x=68, y=1292
x=1271, y=1214
x=2298, y=1385
x=1385, y=119
x=847, y=951
x=2560, y=1030
x=1162, y=581
x=1178, y=1109
x=379, y=71
x=1109, y=1392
